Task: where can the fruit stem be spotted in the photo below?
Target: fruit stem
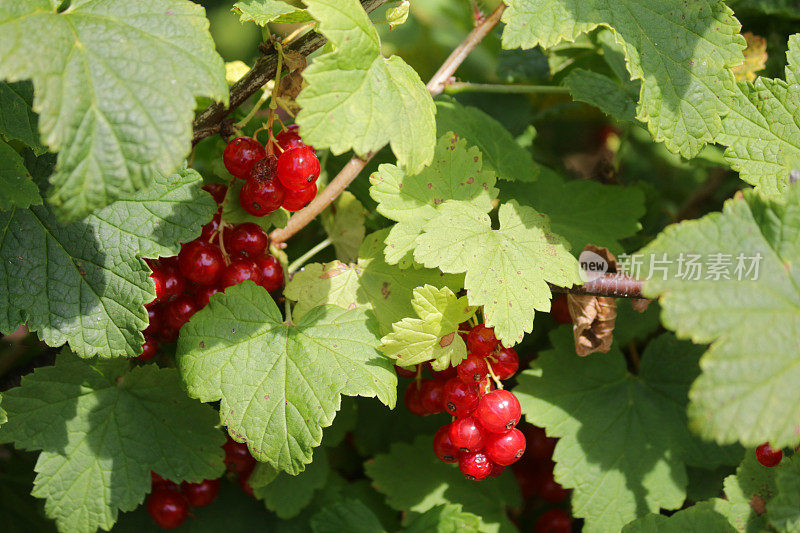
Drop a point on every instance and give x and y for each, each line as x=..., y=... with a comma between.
x=264, y=97
x=221, y=235
x=456, y=87
x=273, y=103
x=497, y=382
x=300, y=261
x=289, y=38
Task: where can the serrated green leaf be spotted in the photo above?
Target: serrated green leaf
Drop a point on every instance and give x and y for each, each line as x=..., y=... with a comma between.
x=17, y=119
x=233, y=213
x=262, y=12
x=357, y=99
x=434, y=335
x=682, y=52
x=102, y=428
x=115, y=127
x=413, y=479
x=699, y=517
x=784, y=509
x=279, y=383
x=412, y=200
x=751, y=323
x=623, y=439
x=17, y=189
x=84, y=282
x=347, y=515
x=752, y=484
x=449, y=518
x=369, y=284
x=288, y=495
x=343, y=221
x=500, y=153
x=612, y=97
x=507, y=269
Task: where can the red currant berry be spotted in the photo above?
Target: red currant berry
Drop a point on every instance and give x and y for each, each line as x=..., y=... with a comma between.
x=169, y=281
x=404, y=372
x=481, y=340
x=431, y=395
x=505, y=363
x=539, y=446
x=244, y=482
x=505, y=448
x=149, y=349
x=497, y=470
x=168, y=334
x=157, y=481
x=548, y=488
x=499, y=411
x=554, y=521
x=297, y=200
x=205, y=293
x=168, y=508
x=475, y=465
x=211, y=228
x=443, y=446
x=240, y=270
x=241, y=154
x=180, y=310
x=201, y=494
x=559, y=308
x=265, y=169
x=261, y=197
x=237, y=457
x=447, y=373
x=271, y=272
x=413, y=400
x=298, y=168
x=247, y=240
x=472, y=369
x=290, y=138
x=201, y=262
x=154, y=318
x=217, y=191
x=768, y=456
x=460, y=398
x=466, y=434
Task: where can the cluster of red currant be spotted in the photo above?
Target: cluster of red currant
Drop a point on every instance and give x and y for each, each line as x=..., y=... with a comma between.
x=288, y=180
x=205, y=266
x=482, y=437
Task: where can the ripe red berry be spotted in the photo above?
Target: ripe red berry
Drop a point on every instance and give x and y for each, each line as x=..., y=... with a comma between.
x=237, y=457
x=559, y=308
x=217, y=191
x=475, y=465
x=261, y=197
x=210, y=228
x=298, y=168
x=157, y=481
x=413, y=400
x=201, y=262
x=505, y=363
x=290, y=138
x=498, y=411
x=297, y=200
x=247, y=240
x=447, y=373
x=201, y=494
x=241, y=154
x=505, y=448
x=460, y=398
x=169, y=281
x=240, y=269
x=548, y=488
x=472, y=369
x=481, y=340
x=149, y=349
x=154, y=318
x=271, y=272
x=768, y=456
x=443, y=446
x=244, y=482
x=466, y=434
x=168, y=508
x=554, y=521
x=405, y=372
x=497, y=470
x=168, y=334
x=205, y=293
x=431, y=395
x=180, y=310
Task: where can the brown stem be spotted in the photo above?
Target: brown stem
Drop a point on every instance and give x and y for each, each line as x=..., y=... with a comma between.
x=614, y=285
x=356, y=164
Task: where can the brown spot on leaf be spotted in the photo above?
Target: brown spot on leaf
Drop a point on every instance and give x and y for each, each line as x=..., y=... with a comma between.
x=447, y=340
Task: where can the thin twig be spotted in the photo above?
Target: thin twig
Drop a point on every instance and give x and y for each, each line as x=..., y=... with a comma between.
x=614, y=285
x=298, y=263
x=464, y=87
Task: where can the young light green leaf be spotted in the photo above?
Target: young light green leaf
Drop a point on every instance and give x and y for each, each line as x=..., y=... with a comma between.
x=612, y=97
x=447, y=518
x=280, y=383
x=784, y=509
x=288, y=495
x=346, y=515
x=682, y=52
x=498, y=149
x=743, y=300
x=115, y=127
x=233, y=213
x=262, y=12
x=357, y=99
x=434, y=335
x=343, y=221
x=91, y=283
x=413, y=199
x=17, y=119
x=699, y=517
x=507, y=269
x=101, y=429
x=17, y=189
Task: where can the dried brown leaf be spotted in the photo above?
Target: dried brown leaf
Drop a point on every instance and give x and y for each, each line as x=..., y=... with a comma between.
x=594, y=317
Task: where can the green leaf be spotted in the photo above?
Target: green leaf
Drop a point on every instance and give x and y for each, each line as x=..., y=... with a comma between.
x=346, y=515
x=751, y=319
x=500, y=152
x=343, y=221
x=233, y=213
x=102, y=428
x=414, y=199
x=3, y=414
x=357, y=99
x=378, y=428
x=784, y=509
x=17, y=119
x=753, y=484
x=288, y=495
x=17, y=189
x=783, y=8
x=612, y=97
x=699, y=517
x=448, y=518
x=434, y=335
x=115, y=127
x=413, y=479
x=369, y=284
x=507, y=269
x=682, y=52
x=280, y=383
x=90, y=283
x=262, y=12
x=623, y=439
